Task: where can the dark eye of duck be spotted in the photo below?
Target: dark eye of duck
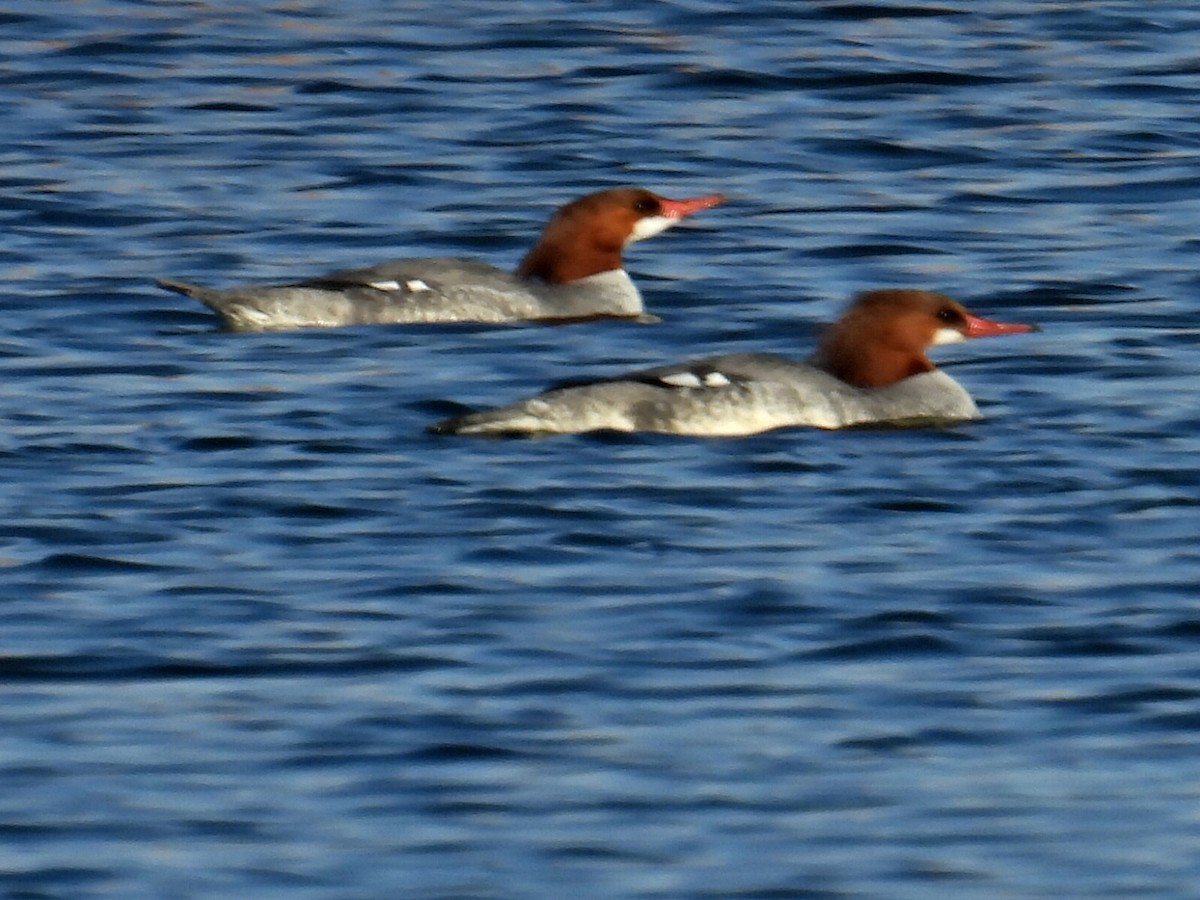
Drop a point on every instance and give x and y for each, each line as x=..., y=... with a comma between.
x=646, y=206
x=950, y=315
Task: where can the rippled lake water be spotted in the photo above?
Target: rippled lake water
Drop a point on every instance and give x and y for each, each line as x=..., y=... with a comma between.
x=262, y=636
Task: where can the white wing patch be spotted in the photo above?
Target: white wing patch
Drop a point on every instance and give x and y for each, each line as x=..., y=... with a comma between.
x=681, y=379
x=413, y=287
x=693, y=379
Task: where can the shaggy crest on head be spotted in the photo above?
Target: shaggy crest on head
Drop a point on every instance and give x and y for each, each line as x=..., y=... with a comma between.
x=884, y=335
x=588, y=235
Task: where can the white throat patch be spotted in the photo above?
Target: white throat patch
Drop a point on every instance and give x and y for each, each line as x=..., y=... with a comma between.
x=649, y=227
x=948, y=336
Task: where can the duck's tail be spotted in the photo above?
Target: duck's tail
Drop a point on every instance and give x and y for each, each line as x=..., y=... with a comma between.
x=507, y=420
x=207, y=296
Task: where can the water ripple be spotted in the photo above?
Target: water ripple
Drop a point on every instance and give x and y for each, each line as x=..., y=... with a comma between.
x=265, y=636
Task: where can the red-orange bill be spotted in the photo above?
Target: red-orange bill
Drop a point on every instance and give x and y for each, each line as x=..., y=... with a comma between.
x=677, y=209
x=977, y=326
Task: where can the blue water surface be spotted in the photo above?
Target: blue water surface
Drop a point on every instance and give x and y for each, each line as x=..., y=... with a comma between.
x=264, y=637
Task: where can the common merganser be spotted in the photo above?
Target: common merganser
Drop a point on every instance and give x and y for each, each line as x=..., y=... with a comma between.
x=574, y=271
x=870, y=368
